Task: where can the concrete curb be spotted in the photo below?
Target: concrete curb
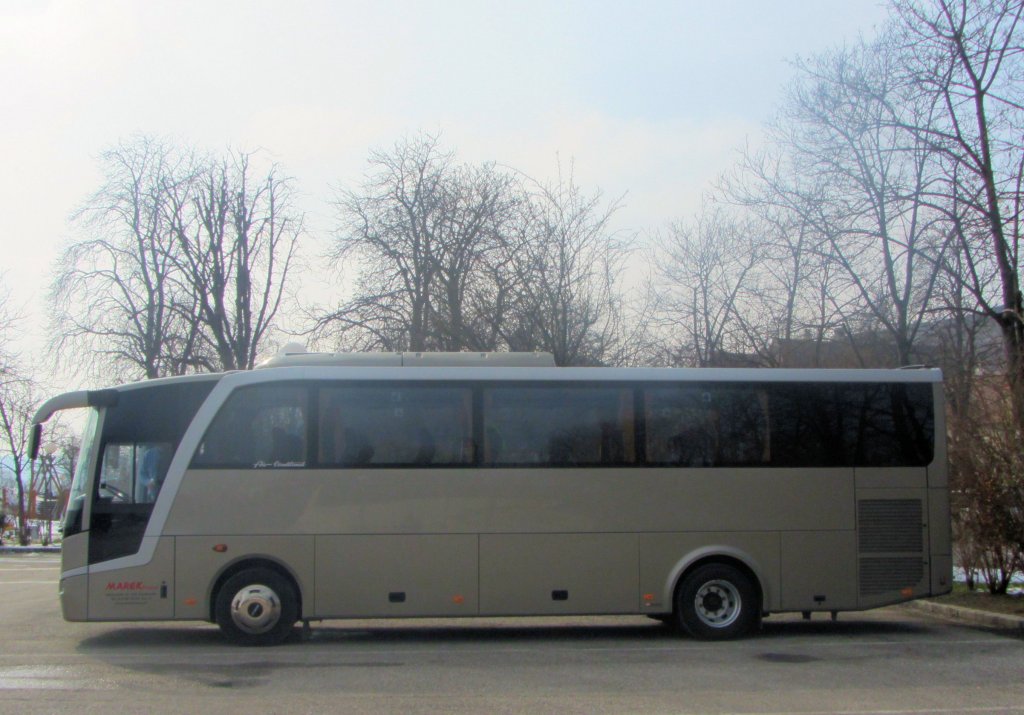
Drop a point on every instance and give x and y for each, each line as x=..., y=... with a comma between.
x=971, y=616
x=29, y=549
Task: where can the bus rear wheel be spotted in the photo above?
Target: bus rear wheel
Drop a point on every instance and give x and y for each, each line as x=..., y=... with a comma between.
x=717, y=602
x=256, y=607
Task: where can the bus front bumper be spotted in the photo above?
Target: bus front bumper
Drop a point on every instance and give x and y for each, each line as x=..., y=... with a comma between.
x=74, y=597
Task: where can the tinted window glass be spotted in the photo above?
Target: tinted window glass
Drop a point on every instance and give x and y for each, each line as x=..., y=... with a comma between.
x=407, y=425
x=892, y=425
x=558, y=425
x=808, y=425
x=706, y=426
x=155, y=413
x=853, y=425
x=694, y=425
x=259, y=426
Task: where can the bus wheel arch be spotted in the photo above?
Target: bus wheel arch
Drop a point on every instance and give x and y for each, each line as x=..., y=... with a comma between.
x=717, y=597
x=255, y=601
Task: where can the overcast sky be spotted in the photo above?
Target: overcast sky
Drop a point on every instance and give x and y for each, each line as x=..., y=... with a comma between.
x=649, y=99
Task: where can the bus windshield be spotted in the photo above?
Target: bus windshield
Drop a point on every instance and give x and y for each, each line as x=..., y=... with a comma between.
x=80, y=481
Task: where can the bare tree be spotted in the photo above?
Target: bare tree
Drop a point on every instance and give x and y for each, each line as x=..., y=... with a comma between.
x=388, y=228
x=565, y=270
x=987, y=488
x=800, y=294
x=235, y=242
x=968, y=56
x=16, y=406
x=9, y=372
x=9, y=319
x=479, y=213
x=855, y=182
x=706, y=272
x=455, y=256
x=115, y=293
x=420, y=229
x=183, y=265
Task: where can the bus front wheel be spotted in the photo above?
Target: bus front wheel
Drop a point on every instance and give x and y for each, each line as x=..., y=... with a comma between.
x=717, y=602
x=256, y=606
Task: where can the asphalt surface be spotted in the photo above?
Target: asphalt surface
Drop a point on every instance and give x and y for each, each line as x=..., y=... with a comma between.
x=894, y=660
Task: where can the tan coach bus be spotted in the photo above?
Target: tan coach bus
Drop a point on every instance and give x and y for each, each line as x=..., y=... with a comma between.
x=405, y=485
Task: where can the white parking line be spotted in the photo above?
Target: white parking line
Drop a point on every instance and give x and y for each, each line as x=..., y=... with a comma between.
x=216, y=657
x=52, y=582
x=46, y=678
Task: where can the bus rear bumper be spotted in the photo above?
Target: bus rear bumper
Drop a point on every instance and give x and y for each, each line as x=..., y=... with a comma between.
x=74, y=597
x=942, y=574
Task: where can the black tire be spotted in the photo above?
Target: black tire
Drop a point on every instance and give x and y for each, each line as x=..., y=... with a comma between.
x=717, y=602
x=256, y=607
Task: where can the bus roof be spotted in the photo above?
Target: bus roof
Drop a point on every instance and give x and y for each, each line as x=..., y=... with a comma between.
x=524, y=367
x=487, y=372
x=410, y=359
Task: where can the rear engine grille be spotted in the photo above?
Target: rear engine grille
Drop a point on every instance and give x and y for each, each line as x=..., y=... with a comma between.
x=890, y=525
x=889, y=573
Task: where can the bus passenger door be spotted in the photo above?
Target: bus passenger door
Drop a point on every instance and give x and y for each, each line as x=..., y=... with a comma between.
x=130, y=477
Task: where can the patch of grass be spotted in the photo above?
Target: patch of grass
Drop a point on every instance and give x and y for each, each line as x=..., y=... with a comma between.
x=1010, y=604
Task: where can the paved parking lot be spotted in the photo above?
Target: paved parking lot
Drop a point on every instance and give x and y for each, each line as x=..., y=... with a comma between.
x=886, y=661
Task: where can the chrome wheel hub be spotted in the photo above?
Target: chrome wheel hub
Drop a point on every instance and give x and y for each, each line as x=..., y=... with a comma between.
x=256, y=609
x=717, y=603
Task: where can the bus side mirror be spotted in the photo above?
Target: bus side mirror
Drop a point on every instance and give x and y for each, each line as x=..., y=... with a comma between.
x=34, y=440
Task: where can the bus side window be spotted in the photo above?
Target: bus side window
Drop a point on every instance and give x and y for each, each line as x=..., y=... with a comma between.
x=542, y=425
x=681, y=426
x=707, y=426
x=742, y=427
x=258, y=427
x=340, y=443
x=405, y=425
